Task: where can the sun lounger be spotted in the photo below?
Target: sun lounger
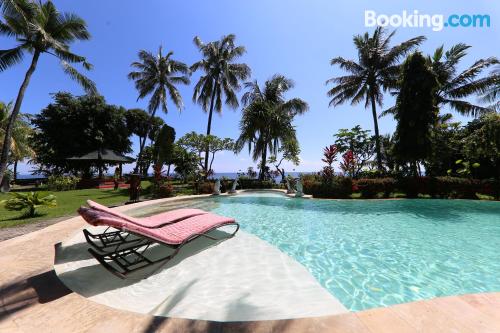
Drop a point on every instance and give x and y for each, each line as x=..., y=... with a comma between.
x=123, y=261
x=114, y=239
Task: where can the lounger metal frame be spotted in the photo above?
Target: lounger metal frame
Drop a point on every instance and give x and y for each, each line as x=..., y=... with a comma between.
x=132, y=257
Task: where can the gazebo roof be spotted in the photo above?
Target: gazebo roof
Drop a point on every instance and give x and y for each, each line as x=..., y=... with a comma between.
x=103, y=155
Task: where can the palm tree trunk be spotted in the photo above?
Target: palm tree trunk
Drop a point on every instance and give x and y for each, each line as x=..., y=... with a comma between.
x=209, y=127
x=263, y=162
x=377, y=136
x=143, y=143
x=15, y=171
x=4, y=159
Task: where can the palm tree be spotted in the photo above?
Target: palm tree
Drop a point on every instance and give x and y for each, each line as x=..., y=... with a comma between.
x=158, y=75
x=492, y=94
x=376, y=71
x=19, y=146
x=267, y=118
x=39, y=28
x=455, y=88
x=221, y=77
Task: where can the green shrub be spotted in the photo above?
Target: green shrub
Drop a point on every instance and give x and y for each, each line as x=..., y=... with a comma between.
x=29, y=201
x=62, y=183
x=338, y=187
x=255, y=184
x=397, y=195
x=484, y=197
x=370, y=188
x=164, y=191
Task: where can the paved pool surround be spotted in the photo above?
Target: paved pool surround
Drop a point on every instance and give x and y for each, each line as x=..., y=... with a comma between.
x=239, y=279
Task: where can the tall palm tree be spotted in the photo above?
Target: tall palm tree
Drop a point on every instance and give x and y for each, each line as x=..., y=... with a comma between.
x=158, y=75
x=455, y=87
x=20, y=148
x=492, y=94
x=376, y=70
x=267, y=121
x=39, y=29
x=221, y=77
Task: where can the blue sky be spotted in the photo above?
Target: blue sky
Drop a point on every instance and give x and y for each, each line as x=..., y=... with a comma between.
x=296, y=38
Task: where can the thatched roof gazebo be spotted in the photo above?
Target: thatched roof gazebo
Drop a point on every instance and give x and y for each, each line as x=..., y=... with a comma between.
x=103, y=156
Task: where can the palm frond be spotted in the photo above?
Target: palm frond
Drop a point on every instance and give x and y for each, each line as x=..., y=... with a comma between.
x=87, y=84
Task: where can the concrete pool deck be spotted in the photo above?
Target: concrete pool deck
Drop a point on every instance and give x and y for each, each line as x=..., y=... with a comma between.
x=34, y=300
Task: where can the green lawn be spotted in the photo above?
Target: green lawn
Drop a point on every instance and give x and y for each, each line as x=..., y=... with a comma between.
x=67, y=204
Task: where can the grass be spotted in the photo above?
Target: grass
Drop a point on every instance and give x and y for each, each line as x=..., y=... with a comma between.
x=67, y=204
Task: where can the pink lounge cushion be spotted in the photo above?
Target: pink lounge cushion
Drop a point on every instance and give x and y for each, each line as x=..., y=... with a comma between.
x=98, y=218
x=154, y=221
x=173, y=234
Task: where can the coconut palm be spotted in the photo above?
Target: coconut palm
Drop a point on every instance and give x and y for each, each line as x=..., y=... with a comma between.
x=492, y=93
x=220, y=79
x=375, y=71
x=20, y=148
x=158, y=75
x=456, y=86
x=267, y=121
x=39, y=28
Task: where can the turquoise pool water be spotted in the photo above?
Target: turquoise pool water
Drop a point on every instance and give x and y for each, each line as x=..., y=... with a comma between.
x=378, y=252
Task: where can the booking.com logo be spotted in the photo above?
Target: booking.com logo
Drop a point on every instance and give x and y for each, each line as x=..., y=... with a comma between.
x=416, y=20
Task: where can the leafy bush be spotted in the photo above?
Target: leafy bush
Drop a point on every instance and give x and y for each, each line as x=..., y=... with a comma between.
x=62, y=183
x=29, y=201
x=255, y=184
x=165, y=190
x=484, y=197
x=370, y=188
x=338, y=187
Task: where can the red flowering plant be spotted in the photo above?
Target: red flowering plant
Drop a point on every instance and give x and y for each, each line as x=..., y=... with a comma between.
x=329, y=156
x=348, y=164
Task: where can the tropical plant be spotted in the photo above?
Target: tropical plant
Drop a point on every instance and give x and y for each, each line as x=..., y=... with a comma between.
x=197, y=143
x=20, y=147
x=416, y=112
x=329, y=156
x=289, y=151
x=186, y=162
x=39, y=29
x=158, y=75
x=455, y=87
x=138, y=122
x=62, y=183
x=267, y=121
x=492, y=93
x=360, y=145
x=465, y=168
x=348, y=164
x=220, y=79
x=376, y=70
x=29, y=201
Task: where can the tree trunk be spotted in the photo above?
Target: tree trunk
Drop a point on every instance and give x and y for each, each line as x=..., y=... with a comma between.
x=263, y=163
x=377, y=135
x=15, y=172
x=143, y=143
x=4, y=159
x=209, y=126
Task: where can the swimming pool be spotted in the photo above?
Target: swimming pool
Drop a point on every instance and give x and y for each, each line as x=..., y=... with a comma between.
x=374, y=253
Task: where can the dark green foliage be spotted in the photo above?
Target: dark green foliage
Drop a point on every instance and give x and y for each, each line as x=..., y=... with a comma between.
x=164, y=145
x=369, y=188
x=416, y=113
x=337, y=188
x=245, y=183
x=74, y=126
